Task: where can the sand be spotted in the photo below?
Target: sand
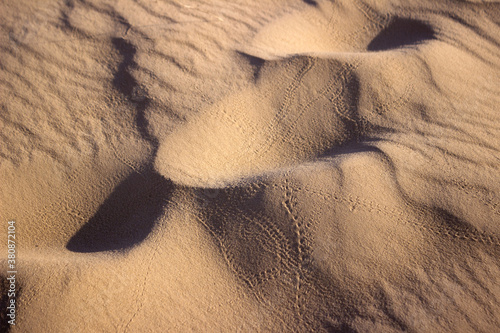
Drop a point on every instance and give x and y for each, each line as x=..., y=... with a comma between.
x=251, y=166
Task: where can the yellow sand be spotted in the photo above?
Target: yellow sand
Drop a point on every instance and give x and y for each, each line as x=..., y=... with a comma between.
x=251, y=166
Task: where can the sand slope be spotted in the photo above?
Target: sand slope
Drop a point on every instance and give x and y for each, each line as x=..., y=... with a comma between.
x=252, y=166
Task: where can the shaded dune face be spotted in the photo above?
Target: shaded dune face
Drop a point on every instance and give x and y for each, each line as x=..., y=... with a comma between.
x=350, y=259
x=127, y=216
x=299, y=108
x=401, y=32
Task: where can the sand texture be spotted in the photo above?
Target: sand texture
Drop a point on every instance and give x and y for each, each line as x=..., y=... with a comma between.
x=251, y=166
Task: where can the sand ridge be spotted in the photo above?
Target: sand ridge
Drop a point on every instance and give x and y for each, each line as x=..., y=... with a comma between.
x=252, y=165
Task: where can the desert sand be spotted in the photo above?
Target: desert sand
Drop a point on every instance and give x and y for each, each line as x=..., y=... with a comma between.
x=251, y=166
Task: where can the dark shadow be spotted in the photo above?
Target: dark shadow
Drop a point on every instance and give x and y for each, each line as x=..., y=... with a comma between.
x=311, y=2
x=446, y=220
x=350, y=148
x=339, y=328
x=401, y=32
x=126, y=217
x=123, y=80
x=256, y=63
x=126, y=84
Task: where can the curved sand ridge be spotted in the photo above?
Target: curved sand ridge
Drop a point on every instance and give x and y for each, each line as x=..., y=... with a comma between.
x=213, y=166
x=299, y=109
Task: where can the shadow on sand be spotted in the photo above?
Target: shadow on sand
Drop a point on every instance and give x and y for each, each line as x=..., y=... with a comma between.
x=126, y=217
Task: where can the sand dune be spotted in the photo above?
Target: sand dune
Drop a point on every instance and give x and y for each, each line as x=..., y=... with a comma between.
x=251, y=166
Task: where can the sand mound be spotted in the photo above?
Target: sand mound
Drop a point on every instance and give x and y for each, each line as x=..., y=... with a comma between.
x=256, y=131
x=251, y=166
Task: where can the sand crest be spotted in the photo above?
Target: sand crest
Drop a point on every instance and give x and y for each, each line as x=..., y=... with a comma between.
x=251, y=166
